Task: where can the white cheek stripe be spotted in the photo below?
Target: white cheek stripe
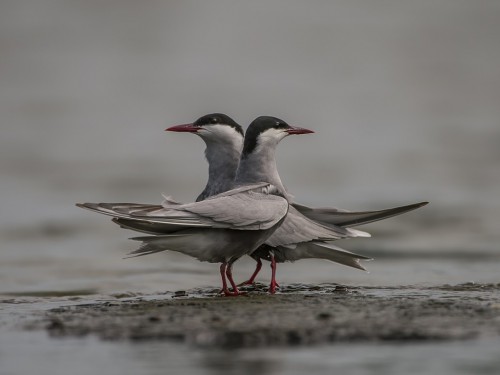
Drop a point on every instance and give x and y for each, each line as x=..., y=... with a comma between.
x=223, y=132
x=269, y=138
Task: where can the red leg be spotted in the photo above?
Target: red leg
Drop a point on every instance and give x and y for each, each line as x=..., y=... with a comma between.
x=274, y=284
x=225, y=270
x=225, y=290
x=229, y=274
x=251, y=280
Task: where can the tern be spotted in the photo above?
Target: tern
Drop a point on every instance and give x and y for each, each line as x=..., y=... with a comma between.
x=224, y=140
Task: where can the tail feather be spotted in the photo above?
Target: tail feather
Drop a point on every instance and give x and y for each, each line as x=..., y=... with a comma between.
x=208, y=246
x=153, y=244
x=328, y=252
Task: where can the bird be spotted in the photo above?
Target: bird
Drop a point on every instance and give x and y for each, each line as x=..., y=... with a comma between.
x=223, y=138
x=300, y=236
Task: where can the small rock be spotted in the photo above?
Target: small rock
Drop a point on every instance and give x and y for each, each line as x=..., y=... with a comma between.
x=323, y=316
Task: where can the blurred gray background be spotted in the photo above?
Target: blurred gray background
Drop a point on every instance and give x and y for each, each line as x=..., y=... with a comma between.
x=404, y=97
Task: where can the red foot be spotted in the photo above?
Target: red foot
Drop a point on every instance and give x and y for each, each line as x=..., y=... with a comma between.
x=228, y=293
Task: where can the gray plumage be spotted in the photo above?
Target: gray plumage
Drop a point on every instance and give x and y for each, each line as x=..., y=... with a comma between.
x=324, y=216
x=250, y=207
x=311, y=250
x=258, y=163
x=219, y=229
x=333, y=216
x=223, y=156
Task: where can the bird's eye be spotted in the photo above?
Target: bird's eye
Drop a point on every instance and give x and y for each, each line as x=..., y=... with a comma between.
x=213, y=120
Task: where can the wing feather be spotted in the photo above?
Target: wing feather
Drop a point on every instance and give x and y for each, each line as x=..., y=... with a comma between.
x=250, y=207
x=334, y=216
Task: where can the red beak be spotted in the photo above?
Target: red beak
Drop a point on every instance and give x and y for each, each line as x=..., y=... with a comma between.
x=295, y=130
x=187, y=128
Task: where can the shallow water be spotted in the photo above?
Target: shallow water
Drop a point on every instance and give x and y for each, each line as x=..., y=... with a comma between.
x=403, y=97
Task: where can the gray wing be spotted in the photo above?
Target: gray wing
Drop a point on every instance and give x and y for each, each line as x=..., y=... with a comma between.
x=119, y=209
x=251, y=207
x=124, y=210
x=324, y=216
x=122, y=215
x=146, y=226
x=297, y=228
x=244, y=211
x=334, y=216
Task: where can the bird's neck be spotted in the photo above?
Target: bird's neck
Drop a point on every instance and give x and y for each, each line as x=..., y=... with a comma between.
x=222, y=165
x=260, y=166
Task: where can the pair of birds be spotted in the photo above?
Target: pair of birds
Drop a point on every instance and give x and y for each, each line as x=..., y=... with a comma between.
x=244, y=208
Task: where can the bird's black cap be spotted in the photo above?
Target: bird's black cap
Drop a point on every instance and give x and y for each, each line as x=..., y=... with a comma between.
x=218, y=119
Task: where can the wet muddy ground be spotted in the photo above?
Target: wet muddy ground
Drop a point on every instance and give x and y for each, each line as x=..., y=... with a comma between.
x=297, y=315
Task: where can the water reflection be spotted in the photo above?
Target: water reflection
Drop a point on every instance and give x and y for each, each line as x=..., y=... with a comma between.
x=235, y=362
